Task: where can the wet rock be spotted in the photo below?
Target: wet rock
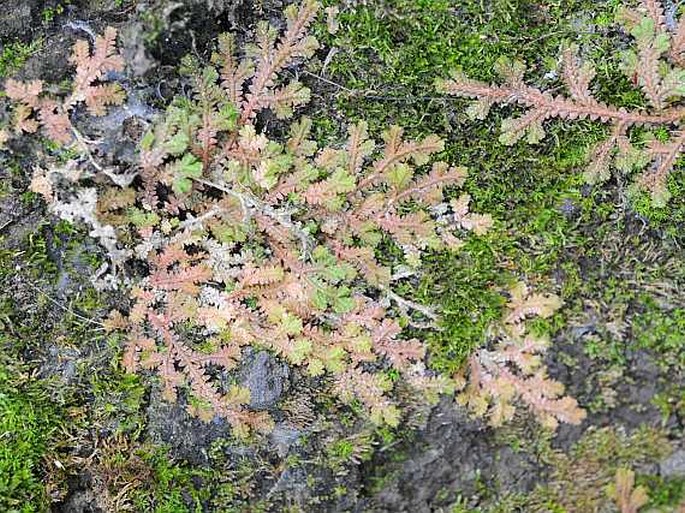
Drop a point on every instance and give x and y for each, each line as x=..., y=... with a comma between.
x=631, y=393
x=82, y=501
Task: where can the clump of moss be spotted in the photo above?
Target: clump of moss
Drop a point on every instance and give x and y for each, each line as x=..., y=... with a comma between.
x=579, y=478
x=27, y=422
x=14, y=55
x=535, y=194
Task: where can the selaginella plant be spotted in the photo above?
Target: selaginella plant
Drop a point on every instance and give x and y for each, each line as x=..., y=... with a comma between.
x=254, y=236
x=35, y=108
x=511, y=370
x=50, y=111
x=254, y=242
x=628, y=497
x=655, y=65
x=269, y=241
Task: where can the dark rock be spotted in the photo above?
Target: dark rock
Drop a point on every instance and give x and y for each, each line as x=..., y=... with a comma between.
x=84, y=496
x=60, y=363
x=15, y=19
x=283, y=437
x=81, y=501
x=293, y=483
x=265, y=377
x=454, y=453
x=134, y=50
x=187, y=437
x=674, y=465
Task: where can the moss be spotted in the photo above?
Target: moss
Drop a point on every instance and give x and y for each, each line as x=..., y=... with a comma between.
x=28, y=416
x=42, y=334
x=38, y=253
x=14, y=55
x=400, y=47
x=118, y=397
x=551, y=230
x=172, y=489
x=27, y=422
x=664, y=494
x=579, y=478
x=465, y=288
x=668, y=219
x=661, y=332
x=49, y=13
x=341, y=449
x=535, y=194
x=225, y=484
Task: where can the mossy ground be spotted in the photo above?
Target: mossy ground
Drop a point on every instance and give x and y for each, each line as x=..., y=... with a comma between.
x=613, y=257
x=615, y=260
